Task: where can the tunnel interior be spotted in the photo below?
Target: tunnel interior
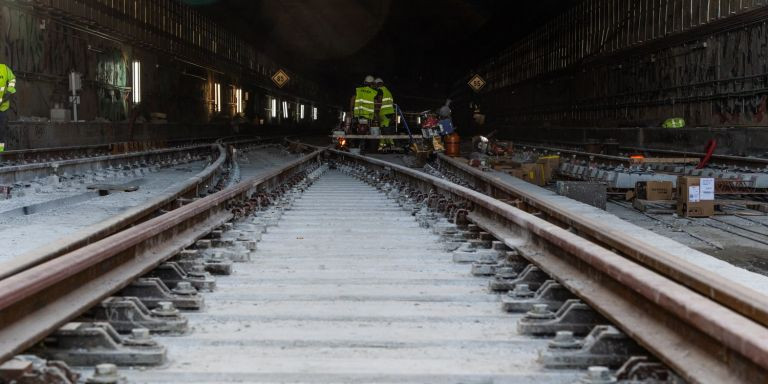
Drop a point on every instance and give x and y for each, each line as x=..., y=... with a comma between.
x=564, y=72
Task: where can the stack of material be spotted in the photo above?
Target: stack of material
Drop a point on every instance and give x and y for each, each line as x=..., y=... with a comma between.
x=695, y=196
x=541, y=172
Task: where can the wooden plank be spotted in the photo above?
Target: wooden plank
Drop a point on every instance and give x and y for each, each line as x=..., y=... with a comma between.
x=655, y=206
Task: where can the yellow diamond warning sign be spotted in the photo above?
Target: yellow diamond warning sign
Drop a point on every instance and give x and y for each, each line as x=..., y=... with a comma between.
x=476, y=83
x=280, y=78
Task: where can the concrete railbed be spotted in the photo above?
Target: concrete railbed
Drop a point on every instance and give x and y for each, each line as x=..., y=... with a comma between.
x=741, y=276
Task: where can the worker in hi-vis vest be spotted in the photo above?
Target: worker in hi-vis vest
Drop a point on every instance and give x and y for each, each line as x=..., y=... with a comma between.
x=7, y=90
x=386, y=113
x=364, y=102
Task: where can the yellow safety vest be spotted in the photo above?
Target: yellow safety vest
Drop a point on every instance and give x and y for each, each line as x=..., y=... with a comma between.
x=364, y=102
x=7, y=84
x=387, y=102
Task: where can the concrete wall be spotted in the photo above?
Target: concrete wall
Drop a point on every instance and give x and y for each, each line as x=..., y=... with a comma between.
x=628, y=66
x=46, y=135
x=743, y=141
x=182, y=56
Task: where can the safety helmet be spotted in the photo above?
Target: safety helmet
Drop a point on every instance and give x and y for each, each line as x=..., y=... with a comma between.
x=368, y=79
x=378, y=81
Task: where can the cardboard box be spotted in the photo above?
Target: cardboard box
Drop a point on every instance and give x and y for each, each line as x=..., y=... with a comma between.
x=550, y=163
x=655, y=190
x=534, y=173
x=695, y=196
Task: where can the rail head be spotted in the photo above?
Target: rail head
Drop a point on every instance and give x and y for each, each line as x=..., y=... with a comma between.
x=37, y=300
x=167, y=201
x=698, y=337
x=736, y=296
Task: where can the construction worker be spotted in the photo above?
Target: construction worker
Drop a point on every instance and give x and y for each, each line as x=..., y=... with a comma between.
x=7, y=90
x=386, y=112
x=365, y=96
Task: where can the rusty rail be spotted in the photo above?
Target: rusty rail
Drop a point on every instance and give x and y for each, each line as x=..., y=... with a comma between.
x=165, y=201
x=25, y=165
x=696, y=335
x=739, y=298
x=36, y=301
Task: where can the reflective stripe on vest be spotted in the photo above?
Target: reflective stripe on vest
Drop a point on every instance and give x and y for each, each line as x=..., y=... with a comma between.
x=364, y=102
x=387, y=102
x=8, y=85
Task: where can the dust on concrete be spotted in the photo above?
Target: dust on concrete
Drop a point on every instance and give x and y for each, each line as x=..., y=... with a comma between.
x=753, y=259
x=23, y=233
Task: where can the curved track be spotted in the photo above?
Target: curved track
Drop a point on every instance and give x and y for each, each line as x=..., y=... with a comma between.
x=705, y=330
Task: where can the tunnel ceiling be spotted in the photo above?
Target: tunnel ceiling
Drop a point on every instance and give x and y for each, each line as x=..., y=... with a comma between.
x=417, y=46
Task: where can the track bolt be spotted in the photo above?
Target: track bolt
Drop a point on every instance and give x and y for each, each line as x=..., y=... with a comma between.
x=598, y=375
x=540, y=312
x=165, y=309
x=104, y=374
x=184, y=288
x=521, y=291
x=197, y=270
x=140, y=334
x=506, y=273
x=564, y=340
x=466, y=247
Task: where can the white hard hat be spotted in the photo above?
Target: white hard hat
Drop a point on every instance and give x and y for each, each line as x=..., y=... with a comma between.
x=378, y=80
x=369, y=79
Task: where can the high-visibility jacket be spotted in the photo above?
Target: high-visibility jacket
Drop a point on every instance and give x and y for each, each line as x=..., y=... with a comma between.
x=387, y=102
x=364, y=102
x=7, y=84
x=675, y=122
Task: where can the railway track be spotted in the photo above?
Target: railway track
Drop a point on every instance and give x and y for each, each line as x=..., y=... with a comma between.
x=21, y=167
x=721, y=161
x=201, y=184
x=320, y=267
x=47, y=155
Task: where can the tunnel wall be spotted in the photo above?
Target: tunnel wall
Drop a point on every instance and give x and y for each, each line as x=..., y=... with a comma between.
x=611, y=64
x=48, y=135
x=182, y=55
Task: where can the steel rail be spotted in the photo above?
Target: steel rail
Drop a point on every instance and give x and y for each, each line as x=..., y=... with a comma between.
x=739, y=161
x=27, y=172
x=698, y=337
x=737, y=297
x=46, y=155
x=165, y=201
x=38, y=300
x=35, y=163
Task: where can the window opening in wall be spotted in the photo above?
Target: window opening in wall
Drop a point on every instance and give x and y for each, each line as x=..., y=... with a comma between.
x=314, y=113
x=136, y=81
x=239, y=100
x=273, y=107
x=285, y=109
x=301, y=111
x=217, y=96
